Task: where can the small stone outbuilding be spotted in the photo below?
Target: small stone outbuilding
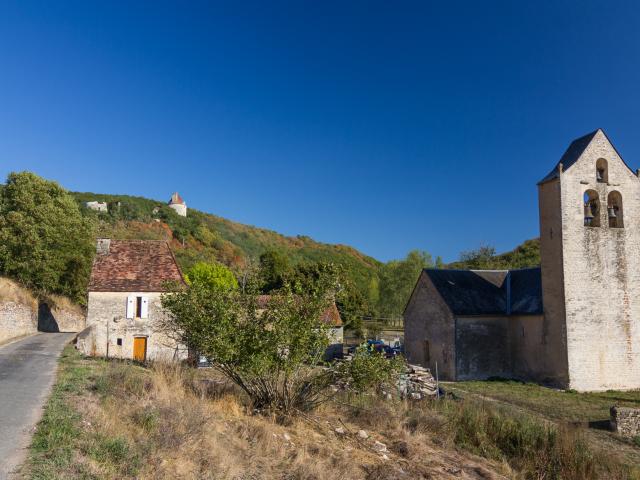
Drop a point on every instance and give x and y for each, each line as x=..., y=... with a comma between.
x=128, y=278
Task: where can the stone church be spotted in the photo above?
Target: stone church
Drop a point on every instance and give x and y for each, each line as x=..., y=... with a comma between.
x=573, y=322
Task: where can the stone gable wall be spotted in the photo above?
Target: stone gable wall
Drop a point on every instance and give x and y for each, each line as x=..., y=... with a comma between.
x=428, y=318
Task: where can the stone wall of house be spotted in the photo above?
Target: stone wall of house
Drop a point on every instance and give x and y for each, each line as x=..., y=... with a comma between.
x=601, y=274
x=626, y=421
x=429, y=330
x=110, y=333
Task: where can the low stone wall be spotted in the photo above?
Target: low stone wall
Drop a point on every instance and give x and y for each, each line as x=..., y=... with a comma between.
x=16, y=320
x=626, y=421
x=22, y=314
x=60, y=317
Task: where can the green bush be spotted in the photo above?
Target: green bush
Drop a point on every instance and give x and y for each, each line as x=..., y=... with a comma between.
x=45, y=242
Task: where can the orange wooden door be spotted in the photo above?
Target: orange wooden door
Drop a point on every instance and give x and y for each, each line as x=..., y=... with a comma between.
x=140, y=349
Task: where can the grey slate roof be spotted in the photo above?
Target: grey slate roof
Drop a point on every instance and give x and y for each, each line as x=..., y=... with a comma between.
x=572, y=155
x=575, y=151
x=489, y=292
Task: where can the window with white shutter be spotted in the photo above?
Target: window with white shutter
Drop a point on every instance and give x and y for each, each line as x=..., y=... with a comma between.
x=131, y=305
x=144, y=310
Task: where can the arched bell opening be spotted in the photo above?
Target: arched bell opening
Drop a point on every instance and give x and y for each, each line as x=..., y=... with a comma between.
x=614, y=210
x=591, y=209
x=602, y=171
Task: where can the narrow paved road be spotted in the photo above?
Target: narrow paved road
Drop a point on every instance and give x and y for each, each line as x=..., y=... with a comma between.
x=27, y=371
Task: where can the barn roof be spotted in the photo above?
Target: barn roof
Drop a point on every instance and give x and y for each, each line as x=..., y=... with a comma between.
x=489, y=292
x=133, y=266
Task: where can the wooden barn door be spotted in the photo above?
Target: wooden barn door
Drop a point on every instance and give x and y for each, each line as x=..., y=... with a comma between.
x=140, y=349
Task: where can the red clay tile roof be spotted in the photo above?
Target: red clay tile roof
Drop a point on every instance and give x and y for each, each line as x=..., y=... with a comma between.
x=176, y=199
x=331, y=315
x=134, y=266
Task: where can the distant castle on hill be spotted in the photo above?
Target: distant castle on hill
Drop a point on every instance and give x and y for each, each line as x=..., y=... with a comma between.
x=178, y=204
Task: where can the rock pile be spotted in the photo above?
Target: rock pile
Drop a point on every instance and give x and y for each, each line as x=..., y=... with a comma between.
x=417, y=383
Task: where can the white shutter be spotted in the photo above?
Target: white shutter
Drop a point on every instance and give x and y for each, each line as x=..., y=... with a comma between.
x=131, y=306
x=144, y=311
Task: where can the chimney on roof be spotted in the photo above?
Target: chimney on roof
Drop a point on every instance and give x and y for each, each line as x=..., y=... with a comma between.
x=102, y=246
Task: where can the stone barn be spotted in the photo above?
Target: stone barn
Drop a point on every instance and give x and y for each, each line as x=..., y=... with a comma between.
x=127, y=280
x=574, y=322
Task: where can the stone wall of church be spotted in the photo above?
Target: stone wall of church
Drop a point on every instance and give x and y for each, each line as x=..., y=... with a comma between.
x=483, y=348
x=429, y=330
x=553, y=363
x=601, y=275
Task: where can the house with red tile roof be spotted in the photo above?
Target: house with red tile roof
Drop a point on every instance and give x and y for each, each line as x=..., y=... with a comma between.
x=124, y=310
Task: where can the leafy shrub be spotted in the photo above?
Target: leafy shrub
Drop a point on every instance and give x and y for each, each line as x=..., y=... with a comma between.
x=214, y=276
x=368, y=370
x=45, y=242
x=270, y=351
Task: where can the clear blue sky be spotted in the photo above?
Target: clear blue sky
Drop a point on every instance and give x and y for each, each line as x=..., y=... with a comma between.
x=388, y=126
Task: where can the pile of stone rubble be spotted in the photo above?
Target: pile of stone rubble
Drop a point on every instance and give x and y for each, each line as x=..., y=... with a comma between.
x=417, y=383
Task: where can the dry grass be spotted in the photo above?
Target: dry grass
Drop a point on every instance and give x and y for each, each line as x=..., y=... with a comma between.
x=113, y=420
x=116, y=420
x=11, y=291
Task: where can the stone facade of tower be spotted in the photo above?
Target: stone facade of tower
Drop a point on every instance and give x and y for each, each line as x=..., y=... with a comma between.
x=591, y=268
x=178, y=204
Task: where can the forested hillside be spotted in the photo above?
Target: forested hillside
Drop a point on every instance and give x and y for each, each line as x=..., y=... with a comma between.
x=47, y=236
x=204, y=237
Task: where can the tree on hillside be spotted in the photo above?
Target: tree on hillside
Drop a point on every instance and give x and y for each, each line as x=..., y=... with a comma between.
x=484, y=257
x=350, y=302
x=275, y=270
x=480, y=258
x=397, y=279
x=45, y=242
x=213, y=276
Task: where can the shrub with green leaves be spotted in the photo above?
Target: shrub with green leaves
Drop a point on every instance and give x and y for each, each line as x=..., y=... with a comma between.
x=213, y=276
x=368, y=369
x=45, y=242
x=270, y=350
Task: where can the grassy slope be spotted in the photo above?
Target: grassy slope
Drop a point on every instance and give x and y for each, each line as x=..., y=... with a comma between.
x=116, y=420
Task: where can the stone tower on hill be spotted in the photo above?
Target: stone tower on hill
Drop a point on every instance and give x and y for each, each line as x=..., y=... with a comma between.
x=574, y=322
x=178, y=204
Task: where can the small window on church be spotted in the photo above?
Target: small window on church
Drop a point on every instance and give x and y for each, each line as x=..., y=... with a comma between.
x=602, y=171
x=614, y=210
x=591, y=209
x=119, y=342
